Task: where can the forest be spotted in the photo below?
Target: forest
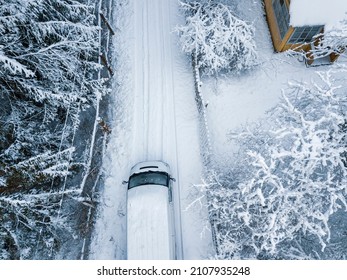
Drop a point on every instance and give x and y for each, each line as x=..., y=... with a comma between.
x=49, y=75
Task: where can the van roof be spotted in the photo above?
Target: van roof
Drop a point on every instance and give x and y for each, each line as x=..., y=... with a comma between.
x=148, y=224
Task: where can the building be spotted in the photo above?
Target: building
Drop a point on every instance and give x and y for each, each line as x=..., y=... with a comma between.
x=295, y=23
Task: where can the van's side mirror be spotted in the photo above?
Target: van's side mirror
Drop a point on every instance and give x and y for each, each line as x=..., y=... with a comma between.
x=125, y=182
x=173, y=179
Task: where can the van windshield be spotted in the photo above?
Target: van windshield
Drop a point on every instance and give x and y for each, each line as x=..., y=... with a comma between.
x=149, y=178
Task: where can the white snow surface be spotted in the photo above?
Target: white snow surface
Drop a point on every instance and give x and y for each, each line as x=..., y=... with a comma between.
x=154, y=118
x=148, y=223
x=317, y=12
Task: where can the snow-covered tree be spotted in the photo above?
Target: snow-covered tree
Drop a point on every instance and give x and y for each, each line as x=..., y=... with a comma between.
x=47, y=49
x=216, y=38
x=31, y=222
x=290, y=175
x=48, y=74
x=48, y=54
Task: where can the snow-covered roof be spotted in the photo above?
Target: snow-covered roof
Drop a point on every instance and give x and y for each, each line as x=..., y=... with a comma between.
x=149, y=230
x=317, y=12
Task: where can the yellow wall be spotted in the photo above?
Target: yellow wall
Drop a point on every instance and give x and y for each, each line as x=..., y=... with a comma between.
x=279, y=44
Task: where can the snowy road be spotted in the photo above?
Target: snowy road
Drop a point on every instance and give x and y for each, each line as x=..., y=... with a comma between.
x=154, y=103
x=155, y=116
x=156, y=119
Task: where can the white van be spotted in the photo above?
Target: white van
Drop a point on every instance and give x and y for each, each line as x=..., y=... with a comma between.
x=150, y=218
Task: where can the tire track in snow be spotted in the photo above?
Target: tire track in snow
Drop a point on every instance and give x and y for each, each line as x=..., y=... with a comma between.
x=163, y=88
x=171, y=150
x=155, y=79
x=146, y=84
x=148, y=116
x=146, y=70
x=138, y=143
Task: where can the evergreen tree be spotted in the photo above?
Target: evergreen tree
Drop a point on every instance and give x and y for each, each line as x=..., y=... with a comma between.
x=48, y=66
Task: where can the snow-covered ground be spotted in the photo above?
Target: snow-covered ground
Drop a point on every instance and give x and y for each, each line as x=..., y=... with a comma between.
x=234, y=100
x=155, y=118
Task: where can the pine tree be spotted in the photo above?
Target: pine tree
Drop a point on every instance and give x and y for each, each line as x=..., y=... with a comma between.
x=48, y=66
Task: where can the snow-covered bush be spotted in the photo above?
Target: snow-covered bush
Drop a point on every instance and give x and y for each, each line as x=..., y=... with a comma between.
x=217, y=38
x=289, y=177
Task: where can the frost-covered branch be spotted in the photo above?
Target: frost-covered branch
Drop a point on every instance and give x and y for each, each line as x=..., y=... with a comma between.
x=221, y=41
